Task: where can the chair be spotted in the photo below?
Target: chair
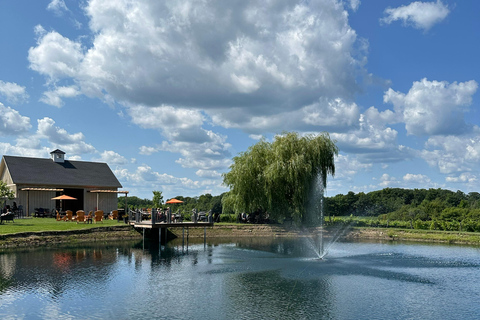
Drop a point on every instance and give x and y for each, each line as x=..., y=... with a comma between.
x=98, y=216
x=89, y=217
x=59, y=217
x=80, y=216
x=113, y=215
x=68, y=215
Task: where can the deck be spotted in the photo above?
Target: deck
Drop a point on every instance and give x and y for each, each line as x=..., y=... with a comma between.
x=147, y=224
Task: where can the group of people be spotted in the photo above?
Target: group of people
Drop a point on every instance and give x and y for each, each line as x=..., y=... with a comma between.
x=7, y=208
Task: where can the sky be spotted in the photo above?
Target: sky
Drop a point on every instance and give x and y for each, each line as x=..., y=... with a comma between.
x=168, y=92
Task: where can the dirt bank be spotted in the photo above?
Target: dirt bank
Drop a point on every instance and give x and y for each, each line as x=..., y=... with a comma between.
x=55, y=237
x=451, y=237
x=125, y=232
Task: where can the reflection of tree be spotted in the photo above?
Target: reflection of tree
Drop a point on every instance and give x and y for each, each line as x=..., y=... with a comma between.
x=7, y=270
x=250, y=293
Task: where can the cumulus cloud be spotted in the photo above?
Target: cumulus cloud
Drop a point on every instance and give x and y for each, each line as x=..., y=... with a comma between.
x=58, y=7
x=55, y=96
x=55, y=56
x=24, y=150
x=467, y=177
x=12, y=122
x=453, y=155
x=416, y=178
x=147, y=151
x=387, y=181
x=143, y=177
x=373, y=141
x=322, y=115
x=13, y=92
x=200, y=148
x=113, y=158
x=260, y=60
x=72, y=144
x=433, y=107
x=421, y=15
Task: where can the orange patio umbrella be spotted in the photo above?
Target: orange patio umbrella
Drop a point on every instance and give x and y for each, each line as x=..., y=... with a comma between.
x=174, y=201
x=63, y=197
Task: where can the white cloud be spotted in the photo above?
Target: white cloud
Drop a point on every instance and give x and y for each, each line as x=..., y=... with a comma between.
x=113, y=158
x=72, y=144
x=372, y=141
x=55, y=56
x=416, y=178
x=200, y=148
x=208, y=174
x=57, y=7
x=12, y=122
x=354, y=4
x=13, y=92
x=256, y=60
x=322, y=115
x=421, y=15
x=145, y=176
x=433, y=107
x=387, y=181
x=54, y=97
x=453, y=154
x=467, y=177
x=177, y=124
x=147, y=151
x=24, y=150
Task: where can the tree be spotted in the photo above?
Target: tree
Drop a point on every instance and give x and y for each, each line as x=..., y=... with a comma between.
x=279, y=177
x=157, y=199
x=5, y=191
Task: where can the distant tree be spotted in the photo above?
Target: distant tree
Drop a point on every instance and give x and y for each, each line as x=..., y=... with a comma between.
x=278, y=177
x=157, y=199
x=134, y=202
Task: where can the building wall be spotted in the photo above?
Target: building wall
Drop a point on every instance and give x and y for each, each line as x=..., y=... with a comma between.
x=43, y=199
x=106, y=201
x=34, y=199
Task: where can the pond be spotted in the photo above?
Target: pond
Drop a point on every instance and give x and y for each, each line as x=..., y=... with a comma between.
x=254, y=278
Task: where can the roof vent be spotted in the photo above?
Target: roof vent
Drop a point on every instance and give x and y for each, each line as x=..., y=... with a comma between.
x=58, y=156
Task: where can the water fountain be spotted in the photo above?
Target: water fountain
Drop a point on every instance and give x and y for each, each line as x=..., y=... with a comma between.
x=316, y=239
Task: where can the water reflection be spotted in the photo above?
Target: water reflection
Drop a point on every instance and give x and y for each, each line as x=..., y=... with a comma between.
x=254, y=278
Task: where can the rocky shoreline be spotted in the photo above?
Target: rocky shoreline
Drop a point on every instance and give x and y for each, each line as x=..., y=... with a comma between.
x=125, y=232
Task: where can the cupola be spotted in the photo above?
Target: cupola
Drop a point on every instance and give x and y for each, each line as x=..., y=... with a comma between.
x=58, y=156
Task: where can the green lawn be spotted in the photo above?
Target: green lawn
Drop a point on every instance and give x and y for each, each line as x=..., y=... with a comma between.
x=49, y=224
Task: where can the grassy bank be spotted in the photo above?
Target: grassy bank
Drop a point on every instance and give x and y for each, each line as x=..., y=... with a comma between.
x=394, y=234
x=49, y=224
x=47, y=231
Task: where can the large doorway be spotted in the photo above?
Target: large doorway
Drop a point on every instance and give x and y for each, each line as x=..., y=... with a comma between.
x=73, y=205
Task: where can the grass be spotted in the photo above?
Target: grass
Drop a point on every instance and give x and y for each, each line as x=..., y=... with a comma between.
x=49, y=224
x=429, y=235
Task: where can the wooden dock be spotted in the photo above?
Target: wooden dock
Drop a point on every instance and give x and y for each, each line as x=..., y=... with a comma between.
x=147, y=224
x=158, y=232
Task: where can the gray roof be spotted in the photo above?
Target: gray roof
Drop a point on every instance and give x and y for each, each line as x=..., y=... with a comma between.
x=46, y=172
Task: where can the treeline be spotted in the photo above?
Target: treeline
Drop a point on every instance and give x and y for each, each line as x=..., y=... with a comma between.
x=423, y=209
x=204, y=202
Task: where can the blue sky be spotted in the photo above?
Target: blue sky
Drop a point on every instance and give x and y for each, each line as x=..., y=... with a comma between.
x=167, y=93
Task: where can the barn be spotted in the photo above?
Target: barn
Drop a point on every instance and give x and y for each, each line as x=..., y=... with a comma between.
x=35, y=181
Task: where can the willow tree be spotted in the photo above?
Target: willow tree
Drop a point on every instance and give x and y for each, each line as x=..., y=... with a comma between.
x=278, y=177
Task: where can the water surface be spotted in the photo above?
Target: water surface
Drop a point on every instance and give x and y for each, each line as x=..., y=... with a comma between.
x=241, y=279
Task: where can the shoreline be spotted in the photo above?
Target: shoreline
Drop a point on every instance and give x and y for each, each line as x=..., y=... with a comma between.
x=125, y=232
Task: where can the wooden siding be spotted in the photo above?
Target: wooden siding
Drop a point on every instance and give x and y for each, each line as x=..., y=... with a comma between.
x=43, y=199
x=35, y=199
x=106, y=201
